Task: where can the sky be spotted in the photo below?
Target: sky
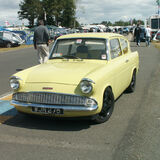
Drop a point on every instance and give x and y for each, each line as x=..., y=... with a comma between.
x=90, y=11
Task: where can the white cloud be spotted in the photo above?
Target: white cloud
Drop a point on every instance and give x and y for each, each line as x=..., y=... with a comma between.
x=91, y=11
x=8, y=12
x=109, y=10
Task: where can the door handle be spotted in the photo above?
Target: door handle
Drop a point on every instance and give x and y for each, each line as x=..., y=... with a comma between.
x=127, y=61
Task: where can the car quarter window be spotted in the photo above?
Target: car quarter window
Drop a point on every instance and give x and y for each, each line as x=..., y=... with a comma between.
x=115, y=49
x=124, y=45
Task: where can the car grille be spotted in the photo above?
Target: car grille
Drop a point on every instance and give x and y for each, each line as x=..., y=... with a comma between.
x=49, y=98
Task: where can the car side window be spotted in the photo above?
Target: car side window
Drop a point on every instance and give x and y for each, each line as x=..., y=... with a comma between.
x=115, y=48
x=124, y=45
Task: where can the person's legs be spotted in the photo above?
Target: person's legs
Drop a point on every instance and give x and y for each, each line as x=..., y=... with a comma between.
x=139, y=41
x=147, y=41
x=45, y=52
x=39, y=54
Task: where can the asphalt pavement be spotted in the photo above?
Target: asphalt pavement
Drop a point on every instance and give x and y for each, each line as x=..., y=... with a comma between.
x=132, y=133
x=12, y=60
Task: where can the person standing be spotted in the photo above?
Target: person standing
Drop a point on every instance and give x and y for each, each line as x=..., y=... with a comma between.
x=41, y=42
x=137, y=34
x=148, y=35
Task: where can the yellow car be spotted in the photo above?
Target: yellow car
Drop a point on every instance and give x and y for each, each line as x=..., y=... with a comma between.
x=83, y=77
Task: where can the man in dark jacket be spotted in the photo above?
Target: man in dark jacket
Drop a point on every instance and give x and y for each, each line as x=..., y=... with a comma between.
x=41, y=42
x=137, y=34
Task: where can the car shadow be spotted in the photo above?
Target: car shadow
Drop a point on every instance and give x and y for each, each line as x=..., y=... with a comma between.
x=45, y=123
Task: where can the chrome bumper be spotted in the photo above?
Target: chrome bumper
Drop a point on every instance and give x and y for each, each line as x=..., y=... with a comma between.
x=65, y=108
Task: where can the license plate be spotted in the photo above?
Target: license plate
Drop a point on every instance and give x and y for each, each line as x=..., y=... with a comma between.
x=47, y=110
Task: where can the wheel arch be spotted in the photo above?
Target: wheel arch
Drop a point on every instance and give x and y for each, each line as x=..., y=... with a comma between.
x=110, y=87
x=133, y=70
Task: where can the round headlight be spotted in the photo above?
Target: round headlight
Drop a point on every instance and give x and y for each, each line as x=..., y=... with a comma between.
x=14, y=83
x=86, y=87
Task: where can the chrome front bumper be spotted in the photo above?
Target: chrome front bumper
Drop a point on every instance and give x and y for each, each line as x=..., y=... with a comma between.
x=65, y=108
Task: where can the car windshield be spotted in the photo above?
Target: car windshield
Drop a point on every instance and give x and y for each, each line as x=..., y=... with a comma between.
x=80, y=48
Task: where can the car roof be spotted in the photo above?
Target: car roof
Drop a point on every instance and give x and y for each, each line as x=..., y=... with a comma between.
x=91, y=35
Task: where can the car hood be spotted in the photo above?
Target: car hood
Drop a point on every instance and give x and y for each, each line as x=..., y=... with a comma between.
x=62, y=72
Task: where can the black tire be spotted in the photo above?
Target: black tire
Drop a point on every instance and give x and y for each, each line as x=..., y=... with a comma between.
x=132, y=85
x=107, y=108
x=8, y=45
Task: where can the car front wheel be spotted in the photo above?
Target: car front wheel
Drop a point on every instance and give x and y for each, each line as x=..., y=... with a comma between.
x=107, y=108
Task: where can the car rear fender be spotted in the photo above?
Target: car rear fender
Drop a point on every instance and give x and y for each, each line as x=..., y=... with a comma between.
x=131, y=74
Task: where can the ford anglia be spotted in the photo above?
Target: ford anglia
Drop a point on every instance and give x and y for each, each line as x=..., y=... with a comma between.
x=83, y=77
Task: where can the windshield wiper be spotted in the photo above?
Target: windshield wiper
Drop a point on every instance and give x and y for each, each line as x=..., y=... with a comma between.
x=61, y=57
x=71, y=56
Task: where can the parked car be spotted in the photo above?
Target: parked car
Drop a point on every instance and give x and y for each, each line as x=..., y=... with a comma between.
x=125, y=30
x=131, y=30
x=21, y=34
x=4, y=42
x=120, y=30
x=84, y=75
x=59, y=32
x=11, y=36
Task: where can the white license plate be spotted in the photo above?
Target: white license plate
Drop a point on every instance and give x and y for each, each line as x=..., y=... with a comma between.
x=47, y=110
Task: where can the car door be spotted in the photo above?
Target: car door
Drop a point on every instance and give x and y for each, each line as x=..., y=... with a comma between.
x=127, y=59
x=118, y=64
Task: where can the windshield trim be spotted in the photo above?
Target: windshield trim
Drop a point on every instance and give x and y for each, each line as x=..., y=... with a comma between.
x=56, y=41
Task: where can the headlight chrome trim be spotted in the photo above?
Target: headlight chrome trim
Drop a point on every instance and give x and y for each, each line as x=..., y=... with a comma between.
x=87, y=79
x=86, y=85
x=15, y=82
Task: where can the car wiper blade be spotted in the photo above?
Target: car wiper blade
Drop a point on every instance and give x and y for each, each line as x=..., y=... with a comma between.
x=72, y=57
x=61, y=57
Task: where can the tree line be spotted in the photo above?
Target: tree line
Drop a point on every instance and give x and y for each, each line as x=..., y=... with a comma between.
x=58, y=12
x=53, y=12
x=122, y=23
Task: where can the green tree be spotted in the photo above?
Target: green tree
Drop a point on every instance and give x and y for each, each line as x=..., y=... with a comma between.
x=138, y=21
x=68, y=14
x=122, y=23
x=158, y=2
x=54, y=12
x=49, y=9
x=106, y=23
x=30, y=10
